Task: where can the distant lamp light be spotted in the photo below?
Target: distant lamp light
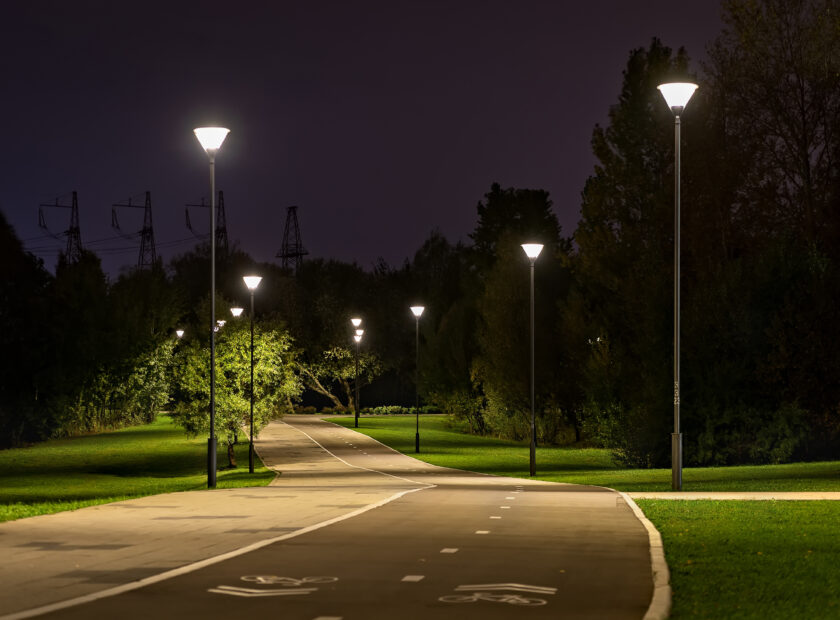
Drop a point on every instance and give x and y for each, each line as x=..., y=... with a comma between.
x=236, y=312
x=179, y=333
x=360, y=332
x=211, y=138
x=221, y=322
x=532, y=250
x=356, y=321
x=357, y=337
x=677, y=94
x=252, y=282
x=417, y=310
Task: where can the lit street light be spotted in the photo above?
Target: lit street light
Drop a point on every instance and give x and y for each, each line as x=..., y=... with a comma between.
x=211, y=139
x=179, y=333
x=532, y=251
x=417, y=311
x=236, y=312
x=252, y=282
x=676, y=95
x=358, y=338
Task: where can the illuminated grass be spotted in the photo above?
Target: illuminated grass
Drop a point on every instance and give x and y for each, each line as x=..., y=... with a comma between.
x=441, y=444
x=750, y=559
x=66, y=474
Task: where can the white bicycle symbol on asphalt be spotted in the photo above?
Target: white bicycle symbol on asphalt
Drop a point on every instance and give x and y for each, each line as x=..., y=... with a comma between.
x=510, y=599
x=287, y=581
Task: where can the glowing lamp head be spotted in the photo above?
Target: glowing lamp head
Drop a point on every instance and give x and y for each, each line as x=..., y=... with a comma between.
x=356, y=321
x=677, y=94
x=360, y=332
x=357, y=338
x=221, y=322
x=417, y=310
x=179, y=333
x=211, y=138
x=252, y=282
x=236, y=312
x=532, y=250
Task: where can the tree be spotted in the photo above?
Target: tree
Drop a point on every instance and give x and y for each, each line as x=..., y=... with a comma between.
x=624, y=263
x=275, y=383
x=335, y=371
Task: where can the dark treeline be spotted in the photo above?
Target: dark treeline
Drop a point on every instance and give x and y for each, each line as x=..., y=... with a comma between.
x=760, y=288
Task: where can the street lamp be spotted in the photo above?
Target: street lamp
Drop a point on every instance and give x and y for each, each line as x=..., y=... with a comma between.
x=356, y=322
x=179, y=333
x=417, y=311
x=236, y=312
x=358, y=338
x=676, y=95
x=532, y=251
x=252, y=282
x=211, y=139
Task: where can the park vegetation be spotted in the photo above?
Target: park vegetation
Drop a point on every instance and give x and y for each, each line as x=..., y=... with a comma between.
x=760, y=289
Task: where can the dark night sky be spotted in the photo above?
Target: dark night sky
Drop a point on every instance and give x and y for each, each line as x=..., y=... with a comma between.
x=381, y=120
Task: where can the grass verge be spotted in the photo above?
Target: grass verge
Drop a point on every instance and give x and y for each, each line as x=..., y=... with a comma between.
x=746, y=559
x=65, y=474
x=441, y=443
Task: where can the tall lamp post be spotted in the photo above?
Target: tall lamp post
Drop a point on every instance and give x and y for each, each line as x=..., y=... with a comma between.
x=417, y=311
x=676, y=95
x=532, y=251
x=252, y=282
x=211, y=139
x=357, y=336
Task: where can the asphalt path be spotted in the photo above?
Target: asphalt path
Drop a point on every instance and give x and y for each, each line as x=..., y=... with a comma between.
x=443, y=544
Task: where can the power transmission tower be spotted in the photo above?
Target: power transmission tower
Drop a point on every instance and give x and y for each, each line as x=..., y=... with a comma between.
x=292, y=250
x=221, y=222
x=148, y=255
x=73, y=252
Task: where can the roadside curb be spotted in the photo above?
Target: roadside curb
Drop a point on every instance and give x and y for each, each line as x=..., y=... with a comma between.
x=660, y=603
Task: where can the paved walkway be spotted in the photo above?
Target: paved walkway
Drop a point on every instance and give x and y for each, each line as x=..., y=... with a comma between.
x=585, y=542
x=743, y=495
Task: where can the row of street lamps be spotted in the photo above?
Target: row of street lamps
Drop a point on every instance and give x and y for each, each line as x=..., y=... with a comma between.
x=676, y=94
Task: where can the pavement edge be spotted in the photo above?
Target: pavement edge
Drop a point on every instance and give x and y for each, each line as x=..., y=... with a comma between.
x=660, y=603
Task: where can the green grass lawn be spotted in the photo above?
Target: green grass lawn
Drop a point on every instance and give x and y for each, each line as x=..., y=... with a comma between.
x=751, y=559
x=65, y=474
x=443, y=444
x=728, y=559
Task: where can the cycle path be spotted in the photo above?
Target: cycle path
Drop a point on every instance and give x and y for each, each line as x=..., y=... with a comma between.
x=440, y=543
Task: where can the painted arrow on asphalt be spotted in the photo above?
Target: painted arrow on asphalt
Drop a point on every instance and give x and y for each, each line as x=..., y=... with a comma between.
x=516, y=587
x=250, y=592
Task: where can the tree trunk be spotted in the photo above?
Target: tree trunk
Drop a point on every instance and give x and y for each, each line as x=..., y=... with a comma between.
x=231, y=455
x=312, y=383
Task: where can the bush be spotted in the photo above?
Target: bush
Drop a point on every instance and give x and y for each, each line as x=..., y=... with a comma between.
x=745, y=435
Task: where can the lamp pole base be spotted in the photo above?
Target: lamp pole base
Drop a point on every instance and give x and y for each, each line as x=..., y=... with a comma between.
x=533, y=458
x=211, y=463
x=676, y=461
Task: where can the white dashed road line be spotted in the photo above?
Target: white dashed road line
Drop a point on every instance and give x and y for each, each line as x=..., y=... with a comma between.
x=449, y=550
x=413, y=578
